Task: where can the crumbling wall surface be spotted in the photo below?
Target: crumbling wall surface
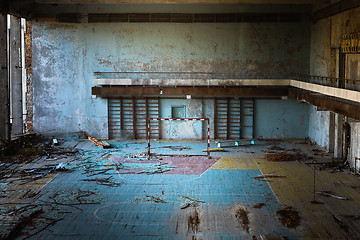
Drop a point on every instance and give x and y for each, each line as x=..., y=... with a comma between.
x=354, y=145
x=194, y=108
x=61, y=92
x=281, y=118
x=65, y=57
x=326, y=34
x=29, y=87
x=320, y=65
x=232, y=50
x=319, y=122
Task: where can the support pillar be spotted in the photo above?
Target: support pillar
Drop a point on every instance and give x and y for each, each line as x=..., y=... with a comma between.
x=339, y=135
x=4, y=82
x=16, y=76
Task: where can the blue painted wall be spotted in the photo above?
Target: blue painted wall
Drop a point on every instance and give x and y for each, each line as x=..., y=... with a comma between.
x=194, y=108
x=65, y=56
x=282, y=119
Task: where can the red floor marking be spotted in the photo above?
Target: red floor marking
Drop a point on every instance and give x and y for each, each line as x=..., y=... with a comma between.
x=195, y=165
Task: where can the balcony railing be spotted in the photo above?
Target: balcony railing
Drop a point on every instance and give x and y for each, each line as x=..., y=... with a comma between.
x=350, y=84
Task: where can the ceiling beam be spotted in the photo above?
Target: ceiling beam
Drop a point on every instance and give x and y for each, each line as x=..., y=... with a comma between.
x=176, y=1
x=334, y=9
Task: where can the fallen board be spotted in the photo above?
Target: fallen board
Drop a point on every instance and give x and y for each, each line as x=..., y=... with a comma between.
x=214, y=150
x=102, y=144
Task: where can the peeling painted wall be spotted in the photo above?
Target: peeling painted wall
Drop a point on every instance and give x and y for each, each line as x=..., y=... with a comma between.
x=320, y=59
x=194, y=108
x=65, y=56
x=281, y=119
x=62, y=97
x=326, y=34
x=319, y=126
x=227, y=50
x=354, y=145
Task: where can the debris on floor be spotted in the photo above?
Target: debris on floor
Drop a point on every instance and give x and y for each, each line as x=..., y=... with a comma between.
x=25, y=149
x=23, y=219
x=142, y=157
x=55, y=142
x=177, y=148
x=288, y=217
x=104, y=181
x=148, y=168
x=26, y=221
x=149, y=198
x=102, y=144
x=279, y=157
x=214, y=150
x=336, y=165
x=77, y=197
x=154, y=199
x=277, y=148
x=190, y=202
x=259, y=205
x=157, y=168
x=285, y=157
x=271, y=237
x=352, y=217
x=242, y=215
x=341, y=224
x=268, y=176
x=331, y=194
x=194, y=221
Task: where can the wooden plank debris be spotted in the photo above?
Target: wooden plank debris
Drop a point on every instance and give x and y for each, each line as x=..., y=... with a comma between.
x=102, y=144
x=214, y=150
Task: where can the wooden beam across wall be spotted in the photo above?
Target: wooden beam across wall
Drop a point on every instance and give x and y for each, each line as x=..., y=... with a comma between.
x=331, y=104
x=193, y=91
x=336, y=8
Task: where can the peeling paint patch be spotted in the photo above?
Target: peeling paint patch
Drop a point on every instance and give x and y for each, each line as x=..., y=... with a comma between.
x=106, y=62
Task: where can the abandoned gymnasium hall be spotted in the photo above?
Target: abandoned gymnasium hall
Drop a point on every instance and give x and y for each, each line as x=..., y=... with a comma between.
x=179, y=119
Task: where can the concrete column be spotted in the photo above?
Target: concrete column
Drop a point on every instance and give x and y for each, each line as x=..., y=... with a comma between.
x=355, y=145
x=332, y=131
x=339, y=135
x=4, y=82
x=16, y=76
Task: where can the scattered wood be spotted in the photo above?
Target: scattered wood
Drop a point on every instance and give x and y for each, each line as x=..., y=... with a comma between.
x=154, y=199
x=191, y=202
x=341, y=223
x=331, y=194
x=102, y=144
x=268, y=176
x=23, y=221
x=94, y=172
x=214, y=150
x=352, y=217
x=45, y=227
x=177, y=148
x=104, y=181
x=186, y=205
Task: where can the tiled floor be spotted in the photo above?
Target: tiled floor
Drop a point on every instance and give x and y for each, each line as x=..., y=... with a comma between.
x=118, y=193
